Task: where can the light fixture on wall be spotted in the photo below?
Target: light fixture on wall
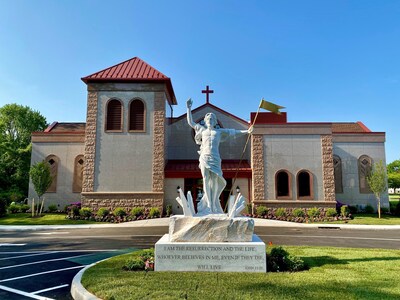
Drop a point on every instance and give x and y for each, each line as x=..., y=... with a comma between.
x=238, y=189
x=178, y=188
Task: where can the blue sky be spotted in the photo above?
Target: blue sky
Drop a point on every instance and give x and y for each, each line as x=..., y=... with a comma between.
x=324, y=60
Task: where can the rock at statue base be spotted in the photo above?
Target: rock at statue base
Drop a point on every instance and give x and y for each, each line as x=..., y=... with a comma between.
x=210, y=228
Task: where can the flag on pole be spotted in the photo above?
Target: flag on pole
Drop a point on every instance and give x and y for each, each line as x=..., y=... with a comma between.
x=270, y=106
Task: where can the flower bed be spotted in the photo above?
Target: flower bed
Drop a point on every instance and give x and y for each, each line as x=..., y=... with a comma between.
x=302, y=215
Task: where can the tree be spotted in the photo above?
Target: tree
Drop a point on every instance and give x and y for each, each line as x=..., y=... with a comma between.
x=41, y=179
x=17, y=122
x=394, y=167
x=377, y=182
x=394, y=180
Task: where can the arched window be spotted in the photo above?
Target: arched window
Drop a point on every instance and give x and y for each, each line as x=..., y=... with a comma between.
x=78, y=174
x=114, y=115
x=364, y=169
x=305, y=187
x=283, y=183
x=53, y=162
x=337, y=169
x=137, y=115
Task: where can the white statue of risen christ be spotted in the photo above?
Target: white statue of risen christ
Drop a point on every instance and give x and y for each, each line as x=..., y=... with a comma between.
x=209, y=138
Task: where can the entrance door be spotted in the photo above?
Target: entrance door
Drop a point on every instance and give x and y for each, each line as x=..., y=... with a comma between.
x=195, y=186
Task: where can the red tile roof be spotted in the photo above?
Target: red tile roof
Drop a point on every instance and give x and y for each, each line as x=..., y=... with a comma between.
x=190, y=169
x=131, y=70
x=66, y=127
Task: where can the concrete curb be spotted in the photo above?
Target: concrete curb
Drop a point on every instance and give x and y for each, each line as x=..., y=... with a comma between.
x=78, y=292
x=164, y=222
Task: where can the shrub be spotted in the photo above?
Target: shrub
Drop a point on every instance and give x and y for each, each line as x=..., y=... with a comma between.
x=85, y=212
x=369, y=209
x=134, y=264
x=168, y=210
x=3, y=206
x=52, y=208
x=353, y=209
x=140, y=261
x=313, y=212
x=344, y=211
x=14, y=208
x=137, y=211
x=154, y=212
x=384, y=210
x=280, y=261
x=280, y=212
x=119, y=212
x=25, y=208
x=74, y=210
x=298, y=213
x=249, y=209
x=331, y=212
x=262, y=210
x=396, y=211
x=102, y=212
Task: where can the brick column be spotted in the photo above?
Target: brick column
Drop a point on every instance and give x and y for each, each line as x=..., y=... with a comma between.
x=90, y=143
x=257, y=165
x=327, y=168
x=159, y=142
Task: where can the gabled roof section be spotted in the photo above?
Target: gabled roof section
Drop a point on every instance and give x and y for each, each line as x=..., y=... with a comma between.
x=213, y=107
x=357, y=127
x=132, y=70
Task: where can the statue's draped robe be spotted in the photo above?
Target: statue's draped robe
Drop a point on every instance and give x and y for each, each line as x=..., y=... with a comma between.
x=210, y=166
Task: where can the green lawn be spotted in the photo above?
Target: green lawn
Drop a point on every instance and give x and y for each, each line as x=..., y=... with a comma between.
x=46, y=219
x=370, y=219
x=335, y=273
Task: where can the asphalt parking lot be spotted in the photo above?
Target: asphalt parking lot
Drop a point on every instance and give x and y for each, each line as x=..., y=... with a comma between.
x=43, y=274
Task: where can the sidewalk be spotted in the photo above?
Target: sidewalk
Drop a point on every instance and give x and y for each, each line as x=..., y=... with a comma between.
x=165, y=222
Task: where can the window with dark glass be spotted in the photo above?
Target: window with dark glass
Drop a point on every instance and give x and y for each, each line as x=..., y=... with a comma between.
x=114, y=115
x=282, y=185
x=364, y=170
x=78, y=174
x=137, y=116
x=337, y=168
x=304, y=185
x=53, y=160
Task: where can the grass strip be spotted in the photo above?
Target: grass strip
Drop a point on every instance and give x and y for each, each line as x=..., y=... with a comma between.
x=335, y=273
x=45, y=219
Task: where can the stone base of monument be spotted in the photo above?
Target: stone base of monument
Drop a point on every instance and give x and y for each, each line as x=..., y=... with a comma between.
x=210, y=228
x=210, y=256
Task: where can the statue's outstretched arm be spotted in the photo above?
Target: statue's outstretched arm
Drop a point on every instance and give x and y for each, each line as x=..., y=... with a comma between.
x=189, y=113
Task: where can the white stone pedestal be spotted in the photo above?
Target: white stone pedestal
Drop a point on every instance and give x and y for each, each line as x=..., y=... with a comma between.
x=211, y=256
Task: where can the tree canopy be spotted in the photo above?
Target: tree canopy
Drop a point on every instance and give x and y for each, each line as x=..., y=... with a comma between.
x=394, y=167
x=17, y=122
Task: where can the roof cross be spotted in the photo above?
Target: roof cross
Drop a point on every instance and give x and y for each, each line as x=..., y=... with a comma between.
x=207, y=91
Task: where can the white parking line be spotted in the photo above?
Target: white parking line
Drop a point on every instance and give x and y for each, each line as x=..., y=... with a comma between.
x=28, y=255
x=5, y=288
x=9, y=244
x=43, y=261
x=49, y=289
x=41, y=273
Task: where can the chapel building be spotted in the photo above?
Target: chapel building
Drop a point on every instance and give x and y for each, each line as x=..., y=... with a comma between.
x=132, y=151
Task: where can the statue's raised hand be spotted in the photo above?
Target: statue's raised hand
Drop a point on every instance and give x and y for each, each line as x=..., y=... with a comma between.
x=189, y=103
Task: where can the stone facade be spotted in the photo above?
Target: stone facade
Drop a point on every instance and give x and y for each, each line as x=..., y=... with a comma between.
x=124, y=200
x=257, y=163
x=327, y=168
x=159, y=143
x=90, y=143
